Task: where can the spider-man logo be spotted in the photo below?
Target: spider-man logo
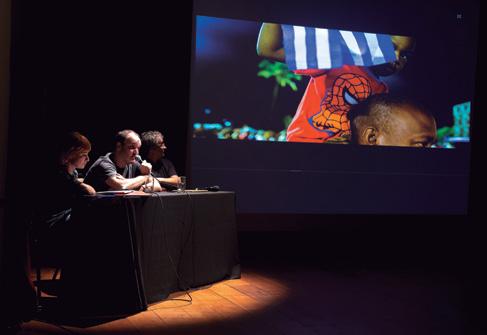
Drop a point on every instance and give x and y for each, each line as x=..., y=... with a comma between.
x=348, y=89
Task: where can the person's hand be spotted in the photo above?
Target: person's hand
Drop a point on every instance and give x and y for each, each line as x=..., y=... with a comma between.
x=402, y=44
x=145, y=168
x=146, y=188
x=151, y=185
x=334, y=122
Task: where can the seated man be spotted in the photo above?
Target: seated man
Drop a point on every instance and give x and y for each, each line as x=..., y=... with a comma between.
x=385, y=120
x=153, y=148
x=119, y=170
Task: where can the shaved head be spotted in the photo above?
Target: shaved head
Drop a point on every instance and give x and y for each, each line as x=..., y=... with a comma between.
x=386, y=120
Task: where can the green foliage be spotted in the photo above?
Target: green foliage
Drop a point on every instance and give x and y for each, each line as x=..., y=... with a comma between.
x=442, y=137
x=444, y=132
x=284, y=77
x=287, y=120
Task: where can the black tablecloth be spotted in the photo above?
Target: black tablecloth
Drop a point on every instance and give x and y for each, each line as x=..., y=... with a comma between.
x=127, y=252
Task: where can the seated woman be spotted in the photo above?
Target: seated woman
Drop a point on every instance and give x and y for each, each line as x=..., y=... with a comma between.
x=61, y=186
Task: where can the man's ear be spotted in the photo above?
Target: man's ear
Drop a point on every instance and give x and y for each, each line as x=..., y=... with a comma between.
x=369, y=136
x=118, y=146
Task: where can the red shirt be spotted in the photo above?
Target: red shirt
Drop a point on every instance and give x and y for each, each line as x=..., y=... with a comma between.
x=331, y=92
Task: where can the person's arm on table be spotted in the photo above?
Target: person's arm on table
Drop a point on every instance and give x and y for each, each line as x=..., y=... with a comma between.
x=173, y=180
x=118, y=182
x=87, y=189
x=152, y=186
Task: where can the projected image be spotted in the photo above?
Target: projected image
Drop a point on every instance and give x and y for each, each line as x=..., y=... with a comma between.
x=344, y=68
x=258, y=81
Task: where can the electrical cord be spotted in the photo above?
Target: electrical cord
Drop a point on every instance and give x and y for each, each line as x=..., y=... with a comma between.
x=191, y=232
x=169, y=255
x=135, y=255
x=174, y=267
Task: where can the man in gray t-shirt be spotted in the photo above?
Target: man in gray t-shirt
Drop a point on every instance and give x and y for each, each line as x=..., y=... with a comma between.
x=119, y=170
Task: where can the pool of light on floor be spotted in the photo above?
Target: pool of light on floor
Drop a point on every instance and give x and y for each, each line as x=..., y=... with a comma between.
x=221, y=301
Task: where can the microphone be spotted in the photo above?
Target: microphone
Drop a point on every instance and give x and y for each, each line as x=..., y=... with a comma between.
x=139, y=160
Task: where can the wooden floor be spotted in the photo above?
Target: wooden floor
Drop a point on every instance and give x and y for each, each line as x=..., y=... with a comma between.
x=296, y=300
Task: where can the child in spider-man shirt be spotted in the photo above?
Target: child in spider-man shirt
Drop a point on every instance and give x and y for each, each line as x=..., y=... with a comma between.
x=322, y=114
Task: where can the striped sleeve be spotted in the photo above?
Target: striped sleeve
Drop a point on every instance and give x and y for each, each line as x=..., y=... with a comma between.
x=320, y=48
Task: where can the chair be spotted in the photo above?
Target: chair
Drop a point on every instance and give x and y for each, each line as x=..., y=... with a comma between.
x=44, y=253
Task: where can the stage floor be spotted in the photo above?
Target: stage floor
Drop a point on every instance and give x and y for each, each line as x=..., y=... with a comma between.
x=295, y=299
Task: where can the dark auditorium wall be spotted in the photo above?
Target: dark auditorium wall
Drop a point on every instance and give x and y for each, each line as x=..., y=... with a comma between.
x=4, y=105
x=99, y=67
x=16, y=294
